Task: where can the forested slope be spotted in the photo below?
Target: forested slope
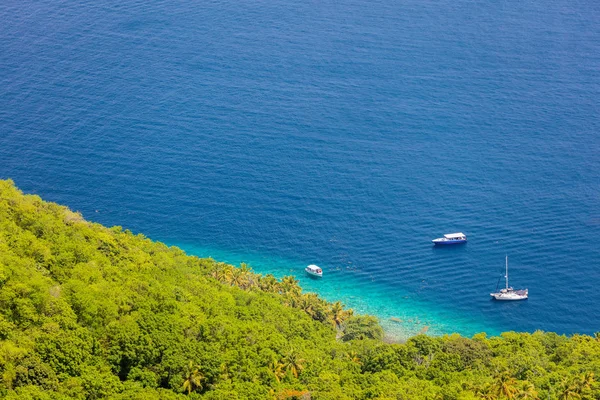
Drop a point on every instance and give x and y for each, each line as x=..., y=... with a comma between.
x=89, y=312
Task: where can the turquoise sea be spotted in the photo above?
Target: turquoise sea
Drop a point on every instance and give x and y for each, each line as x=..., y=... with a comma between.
x=344, y=134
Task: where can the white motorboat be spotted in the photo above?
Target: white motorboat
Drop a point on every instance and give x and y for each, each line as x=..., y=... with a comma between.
x=314, y=270
x=508, y=293
x=451, y=238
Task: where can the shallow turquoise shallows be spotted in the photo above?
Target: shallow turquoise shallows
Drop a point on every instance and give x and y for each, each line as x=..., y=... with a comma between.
x=342, y=134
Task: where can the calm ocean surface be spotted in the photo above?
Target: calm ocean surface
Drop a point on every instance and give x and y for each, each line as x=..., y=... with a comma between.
x=345, y=134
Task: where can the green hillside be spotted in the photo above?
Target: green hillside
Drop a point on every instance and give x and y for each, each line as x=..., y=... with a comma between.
x=89, y=312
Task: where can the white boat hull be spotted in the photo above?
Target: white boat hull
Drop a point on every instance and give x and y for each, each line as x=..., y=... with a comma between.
x=511, y=294
x=316, y=275
x=508, y=298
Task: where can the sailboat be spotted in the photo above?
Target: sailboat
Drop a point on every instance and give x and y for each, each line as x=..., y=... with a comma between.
x=509, y=293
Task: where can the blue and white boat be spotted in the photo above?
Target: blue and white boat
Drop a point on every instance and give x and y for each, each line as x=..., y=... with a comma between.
x=451, y=238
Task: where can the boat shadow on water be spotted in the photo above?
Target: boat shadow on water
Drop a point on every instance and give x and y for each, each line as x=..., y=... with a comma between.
x=455, y=247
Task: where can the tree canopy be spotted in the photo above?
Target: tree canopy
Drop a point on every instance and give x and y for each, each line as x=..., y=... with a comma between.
x=89, y=312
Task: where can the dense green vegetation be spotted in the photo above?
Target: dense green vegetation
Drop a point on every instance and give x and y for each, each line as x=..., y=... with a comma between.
x=89, y=312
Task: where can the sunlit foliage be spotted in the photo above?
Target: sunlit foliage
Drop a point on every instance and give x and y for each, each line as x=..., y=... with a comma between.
x=88, y=312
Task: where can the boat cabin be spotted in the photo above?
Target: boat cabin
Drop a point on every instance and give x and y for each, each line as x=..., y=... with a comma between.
x=451, y=238
x=455, y=236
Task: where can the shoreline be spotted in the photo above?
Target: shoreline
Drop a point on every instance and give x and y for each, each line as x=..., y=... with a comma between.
x=400, y=315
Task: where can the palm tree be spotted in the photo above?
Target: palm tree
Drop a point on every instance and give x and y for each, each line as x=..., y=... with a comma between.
x=269, y=284
x=277, y=369
x=338, y=315
x=218, y=271
x=193, y=378
x=289, y=284
x=353, y=357
x=577, y=387
x=585, y=382
x=215, y=272
x=238, y=278
x=226, y=274
x=568, y=391
x=505, y=385
x=527, y=392
x=246, y=275
x=306, y=305
x=486, y=392
x=293, y=363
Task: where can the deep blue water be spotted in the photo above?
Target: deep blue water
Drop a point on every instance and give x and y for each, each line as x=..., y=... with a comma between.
x=346, y=134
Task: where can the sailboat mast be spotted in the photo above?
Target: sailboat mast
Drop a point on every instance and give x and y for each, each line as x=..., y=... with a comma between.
x=506, y=276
